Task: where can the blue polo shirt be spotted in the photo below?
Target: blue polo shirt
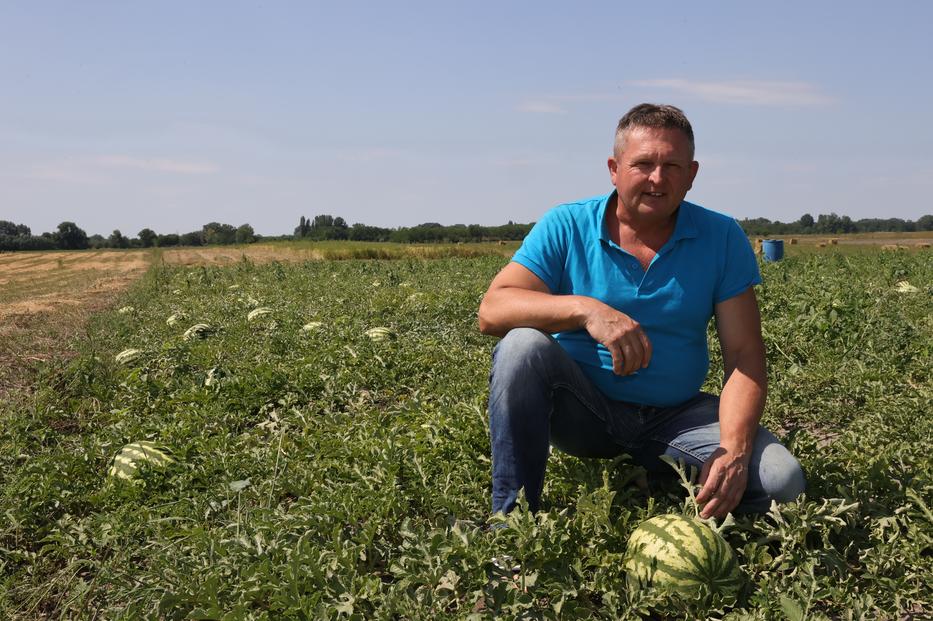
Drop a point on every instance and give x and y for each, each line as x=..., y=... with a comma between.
x=707, y=259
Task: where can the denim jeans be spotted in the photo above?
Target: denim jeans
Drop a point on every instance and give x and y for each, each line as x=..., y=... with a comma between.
x=539, y=397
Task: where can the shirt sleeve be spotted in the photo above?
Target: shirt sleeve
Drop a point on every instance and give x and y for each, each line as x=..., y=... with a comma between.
x=740, y=270
x=544, y=250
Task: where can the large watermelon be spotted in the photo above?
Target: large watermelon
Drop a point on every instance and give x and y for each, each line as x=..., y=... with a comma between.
x=127, y=461
x=681, y=554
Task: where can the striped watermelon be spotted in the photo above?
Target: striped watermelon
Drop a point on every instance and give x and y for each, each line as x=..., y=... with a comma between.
x=380, y=333
x=127, y=461
x=197, y=331
x=256, y=313
x=128, y=356
x=681, y=554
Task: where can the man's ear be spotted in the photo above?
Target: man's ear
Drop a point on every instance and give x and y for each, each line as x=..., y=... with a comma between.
x=613, y=168
x=694, y=169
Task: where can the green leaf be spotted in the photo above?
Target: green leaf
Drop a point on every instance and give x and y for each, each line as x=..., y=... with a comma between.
x=792, y=609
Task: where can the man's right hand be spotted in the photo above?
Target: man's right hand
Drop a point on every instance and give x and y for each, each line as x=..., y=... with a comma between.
x=518, y=298
x=621, y=335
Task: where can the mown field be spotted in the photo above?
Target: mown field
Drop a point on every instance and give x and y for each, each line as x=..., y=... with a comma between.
x=321, y=474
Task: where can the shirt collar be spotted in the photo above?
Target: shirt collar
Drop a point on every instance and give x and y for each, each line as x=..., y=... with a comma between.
x=684, y=228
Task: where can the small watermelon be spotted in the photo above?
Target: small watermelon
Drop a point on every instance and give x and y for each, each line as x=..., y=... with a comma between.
x=256, y=313
x=681, y=554
x=128, y=356
x=127, y=461
x=197, y=331
x=380, y=333
x=311, y=326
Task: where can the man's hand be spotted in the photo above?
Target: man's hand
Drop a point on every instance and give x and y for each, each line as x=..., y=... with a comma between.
x=621, y=335
x=724, y=477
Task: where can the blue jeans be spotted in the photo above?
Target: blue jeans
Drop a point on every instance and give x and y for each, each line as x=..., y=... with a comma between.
x=539, y=397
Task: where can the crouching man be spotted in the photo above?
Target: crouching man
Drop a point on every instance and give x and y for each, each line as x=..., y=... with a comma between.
x=603, y=314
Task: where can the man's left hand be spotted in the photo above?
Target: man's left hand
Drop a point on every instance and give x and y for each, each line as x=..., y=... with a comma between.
x=723, y=480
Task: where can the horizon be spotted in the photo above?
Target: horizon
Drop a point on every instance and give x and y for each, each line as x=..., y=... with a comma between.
x=172, y=116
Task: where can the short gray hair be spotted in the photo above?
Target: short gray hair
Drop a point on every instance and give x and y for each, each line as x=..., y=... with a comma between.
x=658, y=116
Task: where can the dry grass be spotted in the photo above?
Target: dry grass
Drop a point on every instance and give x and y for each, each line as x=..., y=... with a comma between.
x=46, y=299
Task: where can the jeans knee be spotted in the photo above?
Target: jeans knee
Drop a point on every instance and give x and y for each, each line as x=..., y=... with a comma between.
x=520, y=347
x=782, y=475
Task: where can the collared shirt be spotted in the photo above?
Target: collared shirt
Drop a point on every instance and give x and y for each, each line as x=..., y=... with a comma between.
x=706, y=260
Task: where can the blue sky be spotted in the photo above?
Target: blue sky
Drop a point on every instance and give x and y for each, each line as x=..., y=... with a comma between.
x=169, y=115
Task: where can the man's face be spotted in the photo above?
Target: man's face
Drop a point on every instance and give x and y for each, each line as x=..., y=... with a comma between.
x=653, y=172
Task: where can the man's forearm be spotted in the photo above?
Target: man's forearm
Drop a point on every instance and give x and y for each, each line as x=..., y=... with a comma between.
x=513, y=307
x=740, y=406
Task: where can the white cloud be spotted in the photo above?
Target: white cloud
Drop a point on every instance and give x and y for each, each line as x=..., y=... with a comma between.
x=155, y=164
x=100, y=170
x=541, y=106
x=749, y=92
x=370, y=154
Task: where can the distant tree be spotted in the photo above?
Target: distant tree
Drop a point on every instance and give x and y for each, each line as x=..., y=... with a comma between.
x=245, y=234
x=362, y=232
x=806, y=221
x=303, y=228
x=217, y=233
x=70, y=237
x=925, y=223
x=194, y=238
x=147, y=237
x=322, y=221
x=170, y=239
x=97, y=241
x=14, y=230
x=118, y=240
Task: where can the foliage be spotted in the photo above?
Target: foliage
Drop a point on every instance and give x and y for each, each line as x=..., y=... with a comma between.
x=834, y=224
x=322, y=474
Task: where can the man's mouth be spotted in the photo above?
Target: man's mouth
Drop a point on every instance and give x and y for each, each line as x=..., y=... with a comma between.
x=654, y=194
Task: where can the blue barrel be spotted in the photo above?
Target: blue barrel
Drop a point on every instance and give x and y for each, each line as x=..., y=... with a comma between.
x=773, y=249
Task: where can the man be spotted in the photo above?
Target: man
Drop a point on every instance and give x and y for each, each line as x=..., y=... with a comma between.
x=603, y=313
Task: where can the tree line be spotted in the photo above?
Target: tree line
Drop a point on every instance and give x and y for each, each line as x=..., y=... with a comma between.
x=326, y=227
x=69, y=236
x=832, y=224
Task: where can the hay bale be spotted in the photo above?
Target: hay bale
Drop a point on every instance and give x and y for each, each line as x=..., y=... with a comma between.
x=923, y=245
x=792, y=241
x=822, y=244
x=889, y=247
x=758, y=246
x=834, y=241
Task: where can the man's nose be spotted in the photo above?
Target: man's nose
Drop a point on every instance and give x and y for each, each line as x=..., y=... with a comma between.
x=656, y=175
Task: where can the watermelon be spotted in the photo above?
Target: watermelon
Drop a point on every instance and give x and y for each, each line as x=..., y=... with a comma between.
x=197, y=331
x=256, y=313
x=128, y=356
x=680, y=554
x=380, y=333
x=126, y=463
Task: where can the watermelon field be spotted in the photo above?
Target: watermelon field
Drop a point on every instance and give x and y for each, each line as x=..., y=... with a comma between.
x=312, y=467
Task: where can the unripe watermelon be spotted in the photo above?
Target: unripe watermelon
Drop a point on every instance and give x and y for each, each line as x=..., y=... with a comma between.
x=127, y=461
x=678, y=553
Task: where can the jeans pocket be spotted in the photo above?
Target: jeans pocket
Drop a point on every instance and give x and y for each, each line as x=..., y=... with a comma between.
x=625, y=426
